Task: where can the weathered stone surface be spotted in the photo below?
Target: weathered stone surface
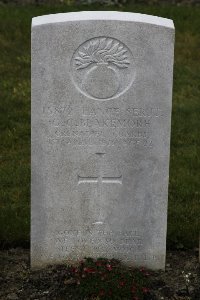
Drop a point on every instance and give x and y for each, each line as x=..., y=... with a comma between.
x=101, y=110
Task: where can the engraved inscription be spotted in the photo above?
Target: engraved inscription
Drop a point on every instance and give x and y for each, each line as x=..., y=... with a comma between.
x=102, y=68
x=97, y=125
x=98, y=239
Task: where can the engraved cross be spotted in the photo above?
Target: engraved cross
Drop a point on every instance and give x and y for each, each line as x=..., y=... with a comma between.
x=99, y=180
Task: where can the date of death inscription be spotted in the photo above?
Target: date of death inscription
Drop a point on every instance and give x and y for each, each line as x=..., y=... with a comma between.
x=106, y=126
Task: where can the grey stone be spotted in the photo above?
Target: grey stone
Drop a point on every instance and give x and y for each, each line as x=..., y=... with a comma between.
x=101, y=118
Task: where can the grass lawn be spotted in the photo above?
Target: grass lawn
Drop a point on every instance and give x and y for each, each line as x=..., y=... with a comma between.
x=184, y=188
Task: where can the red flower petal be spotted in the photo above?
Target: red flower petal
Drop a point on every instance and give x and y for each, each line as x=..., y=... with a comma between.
x=142, y=269
x=145, y=290
x=122, y=283
x=109, y=267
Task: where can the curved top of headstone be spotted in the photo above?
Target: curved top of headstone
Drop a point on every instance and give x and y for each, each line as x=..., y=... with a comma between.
x=102, y=15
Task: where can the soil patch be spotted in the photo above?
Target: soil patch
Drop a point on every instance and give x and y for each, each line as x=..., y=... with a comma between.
x=180, y=281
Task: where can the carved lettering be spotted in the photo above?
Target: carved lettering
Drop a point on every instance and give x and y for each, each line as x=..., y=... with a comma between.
x=106, y=126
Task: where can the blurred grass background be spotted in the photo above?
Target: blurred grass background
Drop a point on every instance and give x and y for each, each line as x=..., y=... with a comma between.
x=184, y=187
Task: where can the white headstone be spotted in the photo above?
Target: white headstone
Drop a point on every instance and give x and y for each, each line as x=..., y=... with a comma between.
x=101, y=114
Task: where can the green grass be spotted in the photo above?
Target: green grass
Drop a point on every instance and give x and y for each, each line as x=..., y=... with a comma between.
x=184, y=188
